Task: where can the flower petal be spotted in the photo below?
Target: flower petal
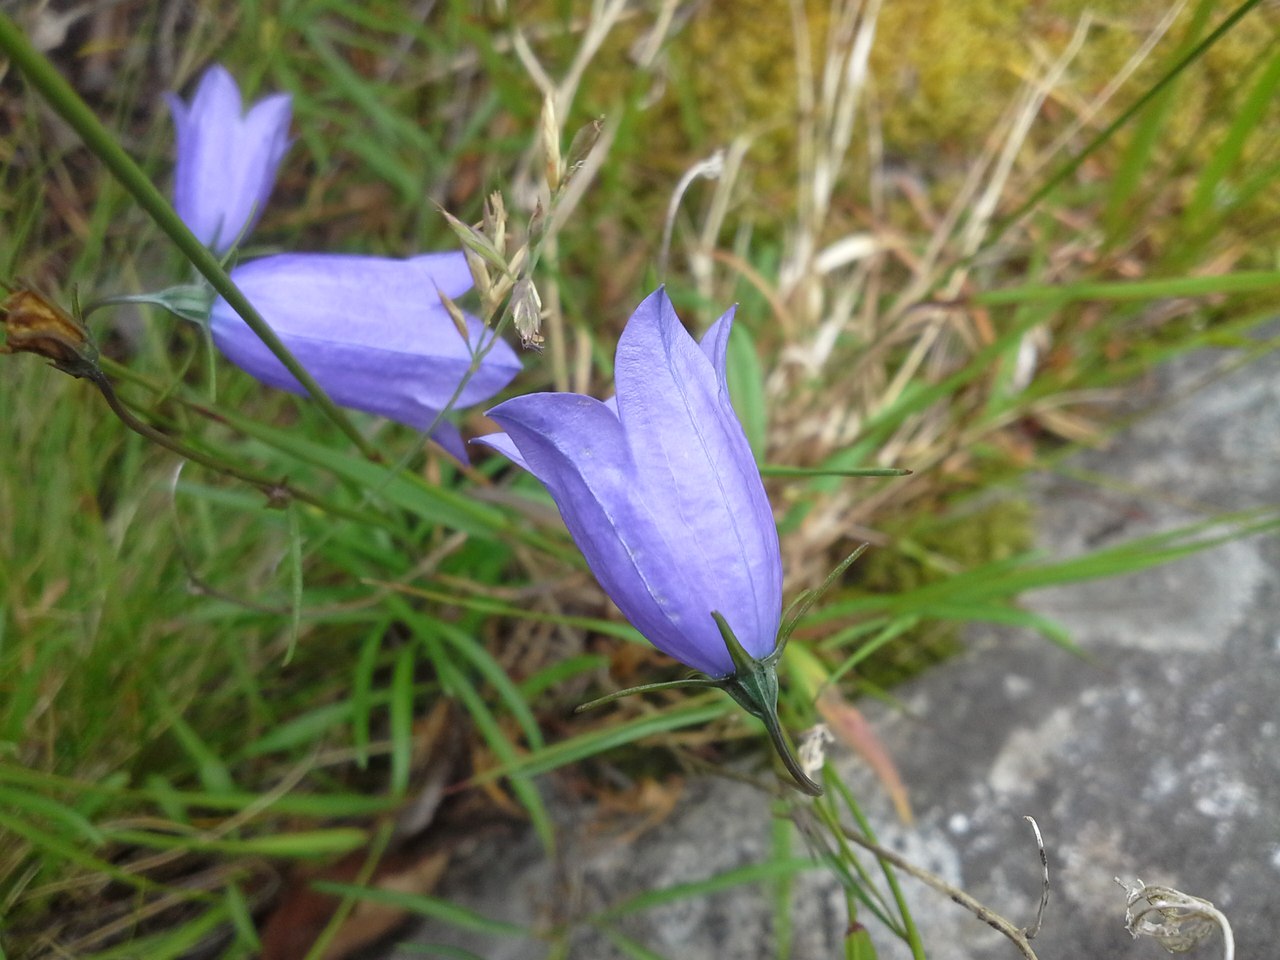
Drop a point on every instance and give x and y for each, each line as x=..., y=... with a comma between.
x=263, y=140
x=370, y=330
x=503, y=443
x=447, y=435
x=715, y=347
x=226, y=162
x=695, y=468
x=576, y=446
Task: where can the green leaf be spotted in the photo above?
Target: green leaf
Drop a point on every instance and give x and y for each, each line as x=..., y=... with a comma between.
x=740, y=876
x=424, y=906
x=304, y=843
x=402, y=700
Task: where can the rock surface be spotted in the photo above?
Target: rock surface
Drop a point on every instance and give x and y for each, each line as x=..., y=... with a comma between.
x=1155, y=755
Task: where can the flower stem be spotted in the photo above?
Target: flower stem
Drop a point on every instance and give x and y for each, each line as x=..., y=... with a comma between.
x=276, y=491
x=49, y=83
x=956, y=895
x=754, y=685
x=782, y=746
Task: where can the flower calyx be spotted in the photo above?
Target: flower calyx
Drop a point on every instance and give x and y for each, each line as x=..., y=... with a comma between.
x=753, y=685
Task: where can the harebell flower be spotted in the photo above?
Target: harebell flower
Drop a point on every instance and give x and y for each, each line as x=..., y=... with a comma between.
x=661, y=492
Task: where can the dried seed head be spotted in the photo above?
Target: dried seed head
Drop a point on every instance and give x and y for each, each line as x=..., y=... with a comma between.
x=1175, y=920
x=526, y=313
x=583, y=141
x=551, y=142
x=34, y=324
x=473, y=239
x=495, y=221
x=456, y=315
x=480, y=274
x=537, y=223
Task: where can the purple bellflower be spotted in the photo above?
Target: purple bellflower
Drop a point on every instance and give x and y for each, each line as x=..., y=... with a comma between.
x=227, y=159
x=373, y=333
x=662, y=494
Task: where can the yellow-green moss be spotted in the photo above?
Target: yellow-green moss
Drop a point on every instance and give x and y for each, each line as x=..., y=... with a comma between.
x=946, y=70
x=925, y=549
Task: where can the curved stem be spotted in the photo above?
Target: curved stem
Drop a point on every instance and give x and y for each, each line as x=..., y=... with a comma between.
x=782, y=744
x=754, y=685
x=274, y=490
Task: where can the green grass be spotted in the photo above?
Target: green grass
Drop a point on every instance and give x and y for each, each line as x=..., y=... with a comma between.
x=196, y=683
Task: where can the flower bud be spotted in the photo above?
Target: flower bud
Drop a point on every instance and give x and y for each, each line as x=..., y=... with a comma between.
x=227, y=159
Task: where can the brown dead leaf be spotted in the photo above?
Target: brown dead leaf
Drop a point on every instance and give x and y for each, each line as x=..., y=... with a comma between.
x=650, y=800
x=411, y=866
x=304, y=912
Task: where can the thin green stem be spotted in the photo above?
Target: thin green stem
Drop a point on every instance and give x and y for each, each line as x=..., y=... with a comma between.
x=908, y=922
x=377, y=849
x=274, y=490
x=49, y=83
x=801, y=605
x=786, y=753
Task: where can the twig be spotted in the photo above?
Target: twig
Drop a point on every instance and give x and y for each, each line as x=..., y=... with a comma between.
x=1031, y=931
x=955, y=894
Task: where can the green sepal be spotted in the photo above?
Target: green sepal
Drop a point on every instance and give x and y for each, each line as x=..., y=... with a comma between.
x=801, y=604
x=191, y=302
x=754, y=685
x=645, y=688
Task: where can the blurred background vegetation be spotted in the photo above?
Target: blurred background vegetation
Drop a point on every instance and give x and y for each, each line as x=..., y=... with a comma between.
x=946, y=259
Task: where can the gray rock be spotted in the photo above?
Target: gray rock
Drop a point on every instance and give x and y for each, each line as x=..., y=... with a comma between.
x=1155, y=755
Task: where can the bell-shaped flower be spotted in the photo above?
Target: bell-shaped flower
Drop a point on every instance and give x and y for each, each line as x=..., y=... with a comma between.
x=227, y=159
x=372, y=332
x=660, y=490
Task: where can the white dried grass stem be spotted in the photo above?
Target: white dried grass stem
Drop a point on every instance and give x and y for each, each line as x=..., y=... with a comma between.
x=710, y=168
x=842, y=99
x=846, y=250
x=702, y=256
x=605, y=15
x=1113, y=86
x=801, y=243
x=532, y=66
x=976, y=228
x=653, y=40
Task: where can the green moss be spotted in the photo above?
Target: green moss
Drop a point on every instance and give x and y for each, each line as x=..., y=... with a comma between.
x=945, y=71
x=927, y=549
